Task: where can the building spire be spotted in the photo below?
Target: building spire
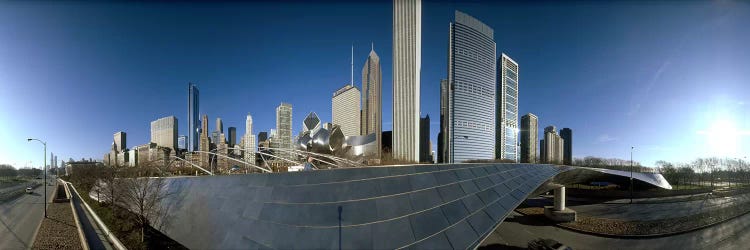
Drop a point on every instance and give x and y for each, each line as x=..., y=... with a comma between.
x=372, y=46
x=352, y=79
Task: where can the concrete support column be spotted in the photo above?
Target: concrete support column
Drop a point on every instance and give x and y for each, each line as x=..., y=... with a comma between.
x=560, y=198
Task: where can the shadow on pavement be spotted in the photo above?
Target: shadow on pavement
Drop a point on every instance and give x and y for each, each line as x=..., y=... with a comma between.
x=531, y=220
x=499, y=247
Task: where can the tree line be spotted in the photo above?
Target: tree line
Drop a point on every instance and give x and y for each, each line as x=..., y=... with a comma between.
x=611, y=163
x=8, y=171
x=706, y=171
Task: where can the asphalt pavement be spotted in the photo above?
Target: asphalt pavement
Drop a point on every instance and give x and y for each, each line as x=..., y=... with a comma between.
x=516, y=231
x=20, y=217
x=652, y=210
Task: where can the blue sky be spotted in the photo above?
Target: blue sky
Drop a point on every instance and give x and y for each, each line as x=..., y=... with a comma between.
x=670, y=78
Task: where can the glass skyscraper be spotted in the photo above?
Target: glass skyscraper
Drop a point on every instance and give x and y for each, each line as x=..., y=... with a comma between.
x=471, y=97
x=506, y=142
x=193, y=124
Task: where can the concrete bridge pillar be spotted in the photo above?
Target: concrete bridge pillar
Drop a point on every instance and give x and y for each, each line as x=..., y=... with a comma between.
x=560, y=198
x=559, y=212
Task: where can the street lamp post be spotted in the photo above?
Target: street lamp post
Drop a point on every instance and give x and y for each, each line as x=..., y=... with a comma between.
x=631, y=174
x=44, y=166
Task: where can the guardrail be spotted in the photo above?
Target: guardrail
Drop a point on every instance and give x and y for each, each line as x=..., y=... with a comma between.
x=79, y=226
x=110, y=236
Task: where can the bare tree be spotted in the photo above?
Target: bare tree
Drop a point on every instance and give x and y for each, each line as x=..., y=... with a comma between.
x=142, y=192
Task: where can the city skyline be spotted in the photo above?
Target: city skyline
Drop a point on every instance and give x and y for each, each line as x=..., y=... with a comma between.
x=721, y=108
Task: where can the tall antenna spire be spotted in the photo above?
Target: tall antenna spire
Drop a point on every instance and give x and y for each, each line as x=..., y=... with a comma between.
x=372, y=44
x=352, y=80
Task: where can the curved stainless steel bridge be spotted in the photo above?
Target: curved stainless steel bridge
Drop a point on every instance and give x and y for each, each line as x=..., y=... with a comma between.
x=422, y=206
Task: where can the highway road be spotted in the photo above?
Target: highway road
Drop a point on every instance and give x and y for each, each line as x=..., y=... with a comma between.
x=20, y=217
x=516, y=231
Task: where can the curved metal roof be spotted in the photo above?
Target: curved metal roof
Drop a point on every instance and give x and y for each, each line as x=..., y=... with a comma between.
x=423, y=206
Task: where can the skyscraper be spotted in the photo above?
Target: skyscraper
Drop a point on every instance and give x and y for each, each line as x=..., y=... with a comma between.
x=506, y=130
x=219, y=125
x=442, y=135
x=217, y=136
x=567, y=136
x=120, y=141
x=345, y=106
x=471, y=97
x=182, y=142
x=205, y=143
x=407, y=67
x=529, y=134
x=552, y=151
x=372, y=112
x=192, y=134
x=263, y=141
x=232, y=131
x=283, y=136
x=424, y=140
x=164, y=132
x=249, y=140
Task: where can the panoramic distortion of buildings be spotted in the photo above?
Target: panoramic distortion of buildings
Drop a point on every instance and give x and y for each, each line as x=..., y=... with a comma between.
x=407, y=67
x=471, y=96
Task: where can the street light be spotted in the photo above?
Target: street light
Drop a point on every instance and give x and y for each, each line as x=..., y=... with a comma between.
x=631, y=174
x=44, y=166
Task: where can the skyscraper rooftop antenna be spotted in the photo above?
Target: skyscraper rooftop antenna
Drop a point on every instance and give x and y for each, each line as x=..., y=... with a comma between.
x=352, y=79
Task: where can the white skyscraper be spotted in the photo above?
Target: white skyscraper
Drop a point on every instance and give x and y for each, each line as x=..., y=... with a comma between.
x=407, y=65
x=506, y=130
x=249, y=140
x=346, y=110
x=164, y=132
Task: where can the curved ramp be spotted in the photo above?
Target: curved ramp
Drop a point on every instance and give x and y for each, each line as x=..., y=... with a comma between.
x=421, y=206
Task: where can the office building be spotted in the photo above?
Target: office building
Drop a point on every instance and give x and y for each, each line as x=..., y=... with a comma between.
x=232, y=131
x=164, y=132
x=506, y=117
x=193, y=125
x=407, y=67
x=182, y=142
x=529, y=134
x=372, y=112
x=442, y=138
x=262, y=136
x=541, y=151
x=552, y=146
x=249, y=140
x=471, y=97
x=217, y=136
x=567, y=135
x=425, y=146
x=120, y=141
x=345, y=106
x=205, y=142
x=283, y=137
x=219, y=125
